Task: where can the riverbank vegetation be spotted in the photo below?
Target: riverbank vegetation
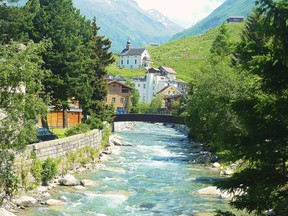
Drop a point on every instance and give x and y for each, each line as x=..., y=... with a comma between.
x=50, y=55
x=237, y=104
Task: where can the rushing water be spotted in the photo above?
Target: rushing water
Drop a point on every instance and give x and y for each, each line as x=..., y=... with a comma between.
x=154, y=177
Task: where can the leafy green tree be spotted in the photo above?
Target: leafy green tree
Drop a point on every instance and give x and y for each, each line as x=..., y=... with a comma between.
x=156, y=104
x=135, y=97
x=21, y=81
x=262, y=112
x=69, y=57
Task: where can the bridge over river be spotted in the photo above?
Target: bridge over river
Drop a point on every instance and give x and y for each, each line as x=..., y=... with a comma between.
x=148, y=118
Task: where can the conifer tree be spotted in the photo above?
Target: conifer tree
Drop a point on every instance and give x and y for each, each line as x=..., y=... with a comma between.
x=263, y=113
x=69, y=57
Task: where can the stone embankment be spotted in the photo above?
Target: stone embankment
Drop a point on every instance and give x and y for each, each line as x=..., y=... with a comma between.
x=41, y=195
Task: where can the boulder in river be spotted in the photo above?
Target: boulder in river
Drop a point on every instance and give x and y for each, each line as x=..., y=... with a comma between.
x=26, y=201
x=54, y=202
x=4, y=212
x=68, y=180
x=88, y=182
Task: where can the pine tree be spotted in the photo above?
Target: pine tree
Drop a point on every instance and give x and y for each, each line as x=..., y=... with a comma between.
x=69, y=57
x=263, y=113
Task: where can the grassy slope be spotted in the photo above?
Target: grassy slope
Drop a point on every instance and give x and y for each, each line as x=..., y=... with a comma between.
x=218, y=16
x=184, y=55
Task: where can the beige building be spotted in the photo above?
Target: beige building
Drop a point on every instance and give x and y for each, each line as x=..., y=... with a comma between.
x=118, y=95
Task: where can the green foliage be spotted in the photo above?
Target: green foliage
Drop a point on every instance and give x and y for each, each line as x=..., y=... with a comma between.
x=222, y=213
x=49, y=171
x=20, y=72
x=241, y=108
x=141, y=108
x=156, y=104
x=36, y=169
x=77, y=129
x=94, y=123
x=221, y=46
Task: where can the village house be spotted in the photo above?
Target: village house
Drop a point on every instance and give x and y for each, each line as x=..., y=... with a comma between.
x=118, y=95
x=134, y=58
x=235, y=19
x=155, y=80
x=169, y=94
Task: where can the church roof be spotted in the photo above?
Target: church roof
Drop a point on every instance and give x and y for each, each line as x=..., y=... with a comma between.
x=132, y=51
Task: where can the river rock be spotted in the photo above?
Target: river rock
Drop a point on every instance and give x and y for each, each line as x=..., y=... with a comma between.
x=88, y=182
x=46, y=195
x=54, y=202
x=41, y=189
x=115, y=141
x=68, y=180
x=228, y=172
x=88, y=166
x=26, y=201
x=80, y=187
x=81, y=169
x=209, y=191
x=4, y=212
x=216, y=165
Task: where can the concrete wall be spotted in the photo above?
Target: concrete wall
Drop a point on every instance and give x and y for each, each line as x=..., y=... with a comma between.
x=60, y=147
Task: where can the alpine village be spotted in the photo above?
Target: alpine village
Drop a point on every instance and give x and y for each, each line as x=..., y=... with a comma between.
x=108, y=109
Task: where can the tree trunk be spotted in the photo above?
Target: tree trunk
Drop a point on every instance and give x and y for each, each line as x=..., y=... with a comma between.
x=65, y=118
x=44, y=121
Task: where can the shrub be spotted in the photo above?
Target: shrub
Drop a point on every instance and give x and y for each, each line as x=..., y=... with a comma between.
x=94, y=123
x=49, y=170
x=77, y=129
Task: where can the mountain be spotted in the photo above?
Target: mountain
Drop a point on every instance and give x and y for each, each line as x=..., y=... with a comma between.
x=125, y=20
x=218, y=16
x=171, y=26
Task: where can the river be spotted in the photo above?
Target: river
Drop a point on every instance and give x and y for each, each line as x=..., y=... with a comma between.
x=157, y=176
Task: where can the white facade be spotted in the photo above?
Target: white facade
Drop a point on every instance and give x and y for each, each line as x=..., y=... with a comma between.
x=152, y=83
x=134, y=58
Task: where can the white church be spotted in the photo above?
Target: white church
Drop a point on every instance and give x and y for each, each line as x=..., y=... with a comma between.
x=134, y=58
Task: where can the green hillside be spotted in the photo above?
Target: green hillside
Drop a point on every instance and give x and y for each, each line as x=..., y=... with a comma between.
x=219, y=16
x=184, y=55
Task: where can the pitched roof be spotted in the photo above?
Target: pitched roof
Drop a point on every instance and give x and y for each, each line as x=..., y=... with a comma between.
x=132, y=51
x=166, y=87
x=168, y=69
x=114, y=81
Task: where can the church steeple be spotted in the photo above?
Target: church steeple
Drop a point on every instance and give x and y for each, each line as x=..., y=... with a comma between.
x=128, y=45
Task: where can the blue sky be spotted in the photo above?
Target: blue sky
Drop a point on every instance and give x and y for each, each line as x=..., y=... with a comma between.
x=182, y=12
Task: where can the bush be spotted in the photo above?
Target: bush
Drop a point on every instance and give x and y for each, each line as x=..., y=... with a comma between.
x=49, y=170
x=77, y=129
x=94, y=123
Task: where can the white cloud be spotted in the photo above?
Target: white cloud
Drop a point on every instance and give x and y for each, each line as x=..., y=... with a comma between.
x=183, y=12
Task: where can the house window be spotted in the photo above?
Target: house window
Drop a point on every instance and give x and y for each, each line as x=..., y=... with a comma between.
x=112, y=91
x=128, y=61
x=144, y=86
x=135, y=61
x=122, y=100
x=139, y=85
x=113, y=99
x=125, y=90
x=122, y=62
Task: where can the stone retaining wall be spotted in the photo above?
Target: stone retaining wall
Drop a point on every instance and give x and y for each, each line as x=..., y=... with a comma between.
x=60, y=147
